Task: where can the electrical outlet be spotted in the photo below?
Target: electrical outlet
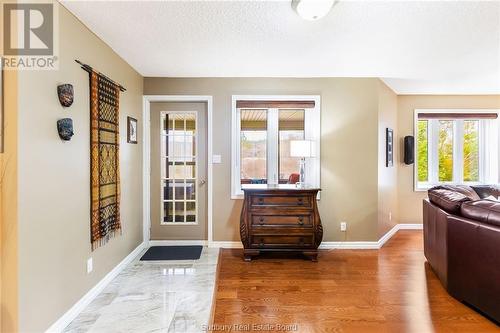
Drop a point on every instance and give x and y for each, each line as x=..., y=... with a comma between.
x=90, y=265
x=343, y=226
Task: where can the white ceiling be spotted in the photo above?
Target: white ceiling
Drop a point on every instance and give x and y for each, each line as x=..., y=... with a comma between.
x=420, y=47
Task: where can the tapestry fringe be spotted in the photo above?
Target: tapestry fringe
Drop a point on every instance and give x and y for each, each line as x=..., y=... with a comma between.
x=103, y=241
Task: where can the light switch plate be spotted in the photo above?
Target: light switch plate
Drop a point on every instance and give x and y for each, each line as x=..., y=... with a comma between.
x=216, y=159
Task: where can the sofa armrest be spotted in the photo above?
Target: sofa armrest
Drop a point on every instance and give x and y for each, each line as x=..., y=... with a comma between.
x=435, y=240
x=462, y=253
x=474, y=264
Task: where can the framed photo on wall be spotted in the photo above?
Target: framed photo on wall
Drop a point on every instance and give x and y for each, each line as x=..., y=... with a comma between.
x=389, y=147
x=131, y=130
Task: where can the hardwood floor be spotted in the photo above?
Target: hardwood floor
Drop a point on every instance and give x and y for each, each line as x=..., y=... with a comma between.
x=359, y=291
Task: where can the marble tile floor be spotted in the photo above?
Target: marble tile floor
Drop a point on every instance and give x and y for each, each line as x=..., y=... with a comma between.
x=154, y=296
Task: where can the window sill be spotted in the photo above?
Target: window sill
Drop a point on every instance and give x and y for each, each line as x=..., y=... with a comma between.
x=426, y=187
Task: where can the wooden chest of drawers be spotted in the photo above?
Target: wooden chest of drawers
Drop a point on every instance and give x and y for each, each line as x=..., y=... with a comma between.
x=280, y=218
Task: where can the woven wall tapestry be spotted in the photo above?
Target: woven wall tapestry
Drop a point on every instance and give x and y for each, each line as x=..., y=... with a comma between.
x=104, y=163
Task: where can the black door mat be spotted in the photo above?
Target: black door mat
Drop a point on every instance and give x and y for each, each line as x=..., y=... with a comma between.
x=173, y=253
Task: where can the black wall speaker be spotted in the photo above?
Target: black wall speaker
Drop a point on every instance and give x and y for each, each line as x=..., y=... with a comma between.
x=409, y=149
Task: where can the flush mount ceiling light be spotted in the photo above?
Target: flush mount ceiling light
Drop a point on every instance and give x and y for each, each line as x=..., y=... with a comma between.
x=312, y=10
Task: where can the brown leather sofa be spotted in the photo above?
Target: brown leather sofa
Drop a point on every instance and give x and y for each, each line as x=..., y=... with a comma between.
x=462, y=244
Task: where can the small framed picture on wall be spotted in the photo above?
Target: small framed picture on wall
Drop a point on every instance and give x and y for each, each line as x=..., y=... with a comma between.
x=131, y=130
x=389, y=147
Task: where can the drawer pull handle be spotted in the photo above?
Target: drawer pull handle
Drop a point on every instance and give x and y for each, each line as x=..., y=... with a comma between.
x=261, y=201
x=261, y=244
x=301, y=221
x=261, y=221
x=300, y=202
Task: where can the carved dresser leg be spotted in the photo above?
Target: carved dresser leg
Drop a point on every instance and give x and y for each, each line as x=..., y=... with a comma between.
x=313, y=255
x=248, y=254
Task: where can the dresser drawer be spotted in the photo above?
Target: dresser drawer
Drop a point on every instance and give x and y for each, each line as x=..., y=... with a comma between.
x=276, y=241
x=282, y=220
x=281, y=201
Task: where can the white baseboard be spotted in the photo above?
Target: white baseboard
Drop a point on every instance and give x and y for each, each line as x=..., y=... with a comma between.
x=411, y=226
x=214, y=244
x=348, y=245
x=177, y=242
x=226, y=244
x=370, y=245
x=388, y=235
x=78, y=307
x=355, y=245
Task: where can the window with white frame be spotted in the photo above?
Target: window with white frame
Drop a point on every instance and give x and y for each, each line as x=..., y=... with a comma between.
x=455, y=147
x=262, y=129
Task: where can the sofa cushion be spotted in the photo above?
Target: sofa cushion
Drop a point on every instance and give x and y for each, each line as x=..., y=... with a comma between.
x=485, y=211
x=486, y=190
x=449, y=201
x=466, y=190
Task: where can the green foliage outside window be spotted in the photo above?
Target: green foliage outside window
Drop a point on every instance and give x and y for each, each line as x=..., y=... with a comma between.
x=445, y=150
x=423, y=151
x=471, y=151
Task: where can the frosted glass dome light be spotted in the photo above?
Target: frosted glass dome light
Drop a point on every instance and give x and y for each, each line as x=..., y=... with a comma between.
x=312, y=10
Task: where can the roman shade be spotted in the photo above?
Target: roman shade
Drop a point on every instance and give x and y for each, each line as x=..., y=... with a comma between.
x=458, y=115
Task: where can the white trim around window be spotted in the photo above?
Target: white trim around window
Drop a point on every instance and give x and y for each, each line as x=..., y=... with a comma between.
x=312, y=125
x=488, y=152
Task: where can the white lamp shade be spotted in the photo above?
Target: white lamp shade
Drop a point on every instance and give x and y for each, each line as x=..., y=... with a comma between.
x=301, y=148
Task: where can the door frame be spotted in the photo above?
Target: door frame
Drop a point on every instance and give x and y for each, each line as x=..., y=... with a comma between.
x=146, y=161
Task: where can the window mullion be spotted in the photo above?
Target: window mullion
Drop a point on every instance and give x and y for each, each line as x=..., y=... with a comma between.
x=458, y=151
x=484, y=162
x=433, y=151
x=496, y=138
x=272, y=145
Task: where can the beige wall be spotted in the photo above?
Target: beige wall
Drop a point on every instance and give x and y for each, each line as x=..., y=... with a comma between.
x=387, y=176
x=44, y=197
x=9, y=203
x=54, y=195
x=348, y=153
x=410, y=202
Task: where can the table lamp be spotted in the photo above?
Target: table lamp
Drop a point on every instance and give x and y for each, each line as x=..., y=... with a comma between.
x=302, y=149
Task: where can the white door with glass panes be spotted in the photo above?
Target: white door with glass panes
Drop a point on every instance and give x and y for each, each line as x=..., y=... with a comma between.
x=178, y=183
